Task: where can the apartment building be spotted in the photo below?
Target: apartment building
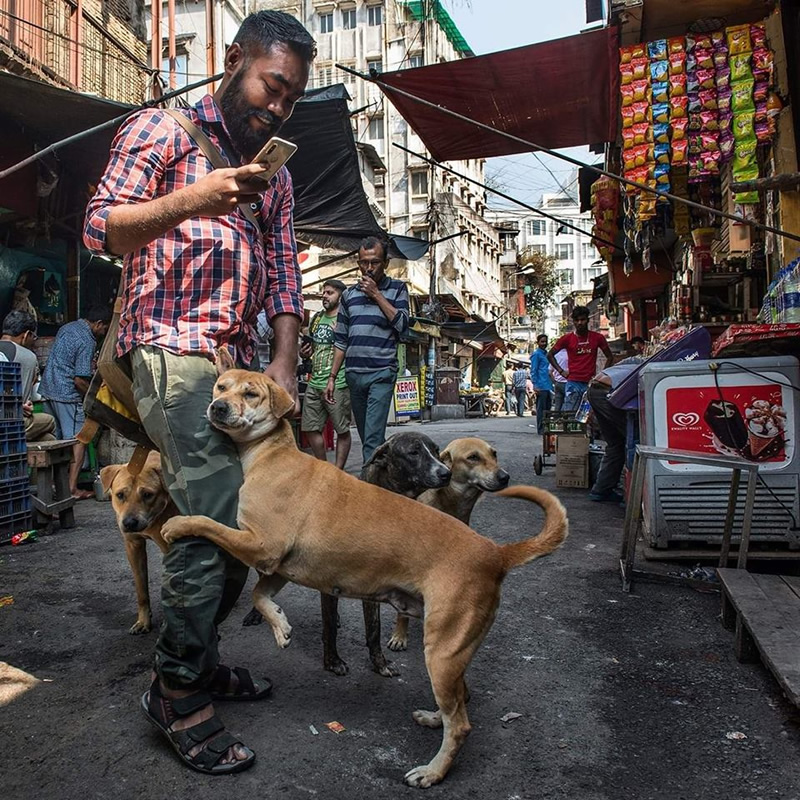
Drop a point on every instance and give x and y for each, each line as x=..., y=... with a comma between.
x=407, y=196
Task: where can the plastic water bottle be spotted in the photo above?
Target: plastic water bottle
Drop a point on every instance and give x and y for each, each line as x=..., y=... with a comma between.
x=584, y=409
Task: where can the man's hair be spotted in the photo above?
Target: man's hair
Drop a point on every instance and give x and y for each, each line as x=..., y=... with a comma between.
x=261, y=31
x=334, y=284
x=541, y=336
x=580, y=311
x=99, y=314
x=371, y=242
x=18, y=322
x=637, y=339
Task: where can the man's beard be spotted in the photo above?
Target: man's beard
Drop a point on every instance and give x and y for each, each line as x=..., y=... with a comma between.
x=237, y=113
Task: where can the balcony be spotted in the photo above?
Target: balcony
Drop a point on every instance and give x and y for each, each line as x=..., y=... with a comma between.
x=78, y=45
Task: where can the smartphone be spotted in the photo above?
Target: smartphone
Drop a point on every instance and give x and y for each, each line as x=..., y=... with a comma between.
x=273, y=155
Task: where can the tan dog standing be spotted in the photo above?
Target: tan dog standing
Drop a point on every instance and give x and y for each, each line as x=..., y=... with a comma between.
x=377, y=546
x=142, y=505
x=473, y=471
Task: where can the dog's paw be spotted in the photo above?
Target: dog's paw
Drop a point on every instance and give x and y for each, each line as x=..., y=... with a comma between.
x=282, y=631
x=422, y=777
x=428, y=719
x=253, y=618
x=397, y=643
x=336, y=666
x=140, y=626
x=385, y=668
x=176, y=528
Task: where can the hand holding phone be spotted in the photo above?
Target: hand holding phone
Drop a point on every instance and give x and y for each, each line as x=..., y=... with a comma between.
x=272, y=156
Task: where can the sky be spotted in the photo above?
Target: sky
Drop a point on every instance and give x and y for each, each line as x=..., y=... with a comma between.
x=492, y=25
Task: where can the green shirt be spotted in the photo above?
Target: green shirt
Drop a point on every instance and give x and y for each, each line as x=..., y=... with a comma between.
x=321, y=331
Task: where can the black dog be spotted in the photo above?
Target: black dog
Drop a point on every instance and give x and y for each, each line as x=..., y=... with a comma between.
x=407, y=464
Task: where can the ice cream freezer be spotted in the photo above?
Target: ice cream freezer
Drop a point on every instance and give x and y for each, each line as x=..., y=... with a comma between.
x=745, y=407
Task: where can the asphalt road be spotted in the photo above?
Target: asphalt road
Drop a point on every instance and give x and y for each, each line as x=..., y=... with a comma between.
x=620, y=696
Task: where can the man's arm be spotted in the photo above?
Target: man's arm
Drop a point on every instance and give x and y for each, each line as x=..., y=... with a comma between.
x=338, y=360
x=396, y=314
x=82, y=385
x=551, y=357
x=610, y=357
x=283, y=365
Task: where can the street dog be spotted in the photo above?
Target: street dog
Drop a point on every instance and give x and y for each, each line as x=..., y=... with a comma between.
x=474, y=470
x=141, y=504
x=407, y=464
x=378, y=546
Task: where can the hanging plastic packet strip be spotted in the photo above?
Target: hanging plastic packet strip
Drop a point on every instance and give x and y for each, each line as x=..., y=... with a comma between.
x=679, y=129
x=739, y=39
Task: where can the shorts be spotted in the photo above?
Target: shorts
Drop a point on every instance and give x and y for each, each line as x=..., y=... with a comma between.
x=316, y=411
x=69, y=417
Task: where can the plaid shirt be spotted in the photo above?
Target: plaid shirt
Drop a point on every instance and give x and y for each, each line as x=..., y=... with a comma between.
x=203, y=283
x=72, y=357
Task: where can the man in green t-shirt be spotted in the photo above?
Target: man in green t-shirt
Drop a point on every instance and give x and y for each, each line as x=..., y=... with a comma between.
x=320, y=349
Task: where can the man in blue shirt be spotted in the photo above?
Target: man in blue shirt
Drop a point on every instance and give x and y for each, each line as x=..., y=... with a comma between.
x=373, y=316
x=540, y=376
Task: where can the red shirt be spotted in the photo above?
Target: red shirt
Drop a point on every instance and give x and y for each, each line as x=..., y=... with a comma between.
x=203, y=283
x=582, y=352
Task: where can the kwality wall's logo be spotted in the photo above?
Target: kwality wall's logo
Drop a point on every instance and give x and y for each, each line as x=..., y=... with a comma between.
x=685, y=419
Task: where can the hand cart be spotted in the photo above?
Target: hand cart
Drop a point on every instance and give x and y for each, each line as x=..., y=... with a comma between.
x=555, y=423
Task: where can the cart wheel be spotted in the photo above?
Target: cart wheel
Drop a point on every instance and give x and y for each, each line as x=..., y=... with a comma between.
x=537, y=464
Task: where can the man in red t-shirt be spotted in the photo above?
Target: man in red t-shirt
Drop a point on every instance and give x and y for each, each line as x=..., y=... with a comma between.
x=581, y=346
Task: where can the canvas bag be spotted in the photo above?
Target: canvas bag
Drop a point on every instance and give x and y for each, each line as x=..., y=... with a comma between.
x=109, y=400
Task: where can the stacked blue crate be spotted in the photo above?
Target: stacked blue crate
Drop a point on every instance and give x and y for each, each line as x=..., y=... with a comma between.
x=15, y=490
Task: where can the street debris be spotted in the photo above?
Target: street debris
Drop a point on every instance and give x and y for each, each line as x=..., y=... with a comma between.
x=735, y=736
x=23, y=538
x=313, y=730
x=6, y=600
x=336, y=727
x=510, y=717
x=698, y=573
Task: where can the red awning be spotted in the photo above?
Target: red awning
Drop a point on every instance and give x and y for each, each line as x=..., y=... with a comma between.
x=563, y=93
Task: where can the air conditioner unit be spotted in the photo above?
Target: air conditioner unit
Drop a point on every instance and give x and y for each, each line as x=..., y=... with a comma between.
x=380, y=179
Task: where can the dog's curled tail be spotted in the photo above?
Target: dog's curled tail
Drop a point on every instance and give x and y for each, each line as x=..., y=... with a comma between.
x=552, y=534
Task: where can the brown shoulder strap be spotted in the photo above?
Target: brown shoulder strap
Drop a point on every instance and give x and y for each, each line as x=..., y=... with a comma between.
x=211, y=153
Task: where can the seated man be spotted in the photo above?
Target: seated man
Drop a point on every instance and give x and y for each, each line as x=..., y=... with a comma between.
x=19, y=334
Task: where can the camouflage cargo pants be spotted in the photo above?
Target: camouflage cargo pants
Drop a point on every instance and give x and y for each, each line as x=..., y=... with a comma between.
x=201, y=582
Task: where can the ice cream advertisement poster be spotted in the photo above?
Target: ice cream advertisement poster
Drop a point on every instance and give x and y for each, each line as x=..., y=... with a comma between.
x=746, y=417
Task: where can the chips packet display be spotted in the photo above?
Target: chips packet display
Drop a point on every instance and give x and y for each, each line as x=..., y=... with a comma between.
x=657, y=50
x=740, y=67
x=739, y=39
x=680, y=151
x=640, y=90
x=679, y=129
x=660, y=92
x=659, y=70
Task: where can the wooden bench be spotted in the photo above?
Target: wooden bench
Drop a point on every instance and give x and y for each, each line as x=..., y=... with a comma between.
x=764, y=611
x=50, y=464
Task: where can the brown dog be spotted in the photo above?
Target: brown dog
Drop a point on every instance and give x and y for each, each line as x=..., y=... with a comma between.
x=473, y=471
x=378, y=546
x=142, y=505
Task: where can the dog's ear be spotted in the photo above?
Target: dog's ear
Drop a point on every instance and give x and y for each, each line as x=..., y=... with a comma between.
x=446, y=458
x=224, y=360
x=107, y=475
x=380, y=456
x=281, y=401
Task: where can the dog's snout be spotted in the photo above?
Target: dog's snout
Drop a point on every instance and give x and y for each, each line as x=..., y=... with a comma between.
x=502, y=477
x=443, y=473
x=219, y=408
x=132, y=523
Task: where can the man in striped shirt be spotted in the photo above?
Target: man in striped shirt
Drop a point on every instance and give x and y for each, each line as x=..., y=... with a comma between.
x=373, y=315
x=196, y=273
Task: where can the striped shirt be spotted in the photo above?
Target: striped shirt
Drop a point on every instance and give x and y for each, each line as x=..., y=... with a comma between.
x=203, y=283
x=363, y=332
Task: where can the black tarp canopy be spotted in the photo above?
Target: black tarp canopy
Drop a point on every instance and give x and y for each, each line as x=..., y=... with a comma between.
x=331, y=208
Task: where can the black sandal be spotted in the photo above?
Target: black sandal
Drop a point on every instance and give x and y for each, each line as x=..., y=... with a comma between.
x=246, y=688
x=162, y=712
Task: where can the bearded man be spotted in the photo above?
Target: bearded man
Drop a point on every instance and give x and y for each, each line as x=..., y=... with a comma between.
x=196, y=275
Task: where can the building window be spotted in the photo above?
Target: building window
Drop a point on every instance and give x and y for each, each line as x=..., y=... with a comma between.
x=536, y=227
x=374, y=64
x=324, y=76
x=349, y=19
x=589, y=253
x=326, y=22
x=538, y=248
x=181, y=69
x=420, y=233
x=375, y=15
x=417, y=60
x=419, y=183
x=347, y=77
x=375, y=129
x=565, y=252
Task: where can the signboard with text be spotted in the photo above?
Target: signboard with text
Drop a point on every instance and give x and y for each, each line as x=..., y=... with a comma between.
x=406, y=397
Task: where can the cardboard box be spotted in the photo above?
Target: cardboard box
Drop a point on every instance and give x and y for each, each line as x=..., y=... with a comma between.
x=572, y=462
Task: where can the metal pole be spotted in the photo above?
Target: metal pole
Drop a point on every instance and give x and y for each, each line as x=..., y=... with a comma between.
x=599, y=170
x=173, y=59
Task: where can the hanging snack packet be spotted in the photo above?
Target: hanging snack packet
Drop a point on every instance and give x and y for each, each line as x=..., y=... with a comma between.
x=740, y=67
x=680, y=152
x=761, y=111
x=661, y=174
x=626, y=54
x=708, y=99
x=743, y=126
x=662, y=153
x=657, y=50
x=626, y=74
x=639, y=175
x=642, y=133
x=744, y=154
x=726, y=145
x=695, y=121
x=742, y=99
x=679, y=129
x=706, y=78
x=628, y=139
x=640, y=90
x=660, y=91
x=709, y=121
x=725, y=121
x=724, y=100
x=723, y=78
x=739, y=39
x=720, y=58
x=677, y=85
x=661, y=112
x=758, y=35
x=764, y=131
x=659, y=70
x=705, y=58
x=677, y=64
x=675, y=45
x=762, y=60
x=710, y=160
x=748, y=174
x=640, y=67
x=679, y=107
x=760, y=91
x=627, y=116
x=641, y=112
x=661, y=133
x=709, y=142
x=626, y=95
